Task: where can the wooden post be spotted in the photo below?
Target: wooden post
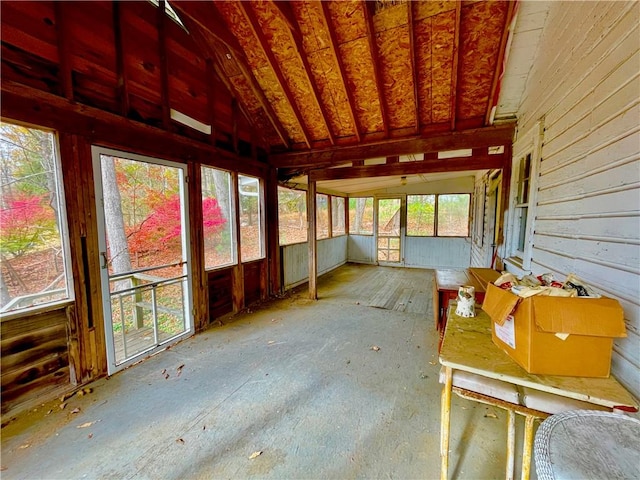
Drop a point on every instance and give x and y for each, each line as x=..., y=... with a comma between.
x=273, y=240
x=311, y=236
x=237, y=275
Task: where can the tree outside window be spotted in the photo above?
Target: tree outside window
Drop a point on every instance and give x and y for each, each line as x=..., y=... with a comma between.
x=251, y=234
x=32, y=251
x=292, y=216
x=217, y=218
x=361, y=216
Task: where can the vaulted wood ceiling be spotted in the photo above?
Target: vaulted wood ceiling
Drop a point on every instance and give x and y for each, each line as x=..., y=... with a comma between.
x=314, y=84
x=314, y=76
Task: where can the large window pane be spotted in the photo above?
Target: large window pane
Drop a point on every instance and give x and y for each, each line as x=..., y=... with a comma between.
x=292, y=216
x=453, y=215
x=251, y=235
x=361, y=216
x=421, y=215
x=217, y=213
x=33, y=268
x=337, y=216
x=322, y=216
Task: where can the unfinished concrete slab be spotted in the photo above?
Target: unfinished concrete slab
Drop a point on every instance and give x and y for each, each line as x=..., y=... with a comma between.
x=293, y=388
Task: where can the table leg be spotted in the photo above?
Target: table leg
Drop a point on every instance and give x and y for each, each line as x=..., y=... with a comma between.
x=511, y=443
x=527, y=447
x=445, y=421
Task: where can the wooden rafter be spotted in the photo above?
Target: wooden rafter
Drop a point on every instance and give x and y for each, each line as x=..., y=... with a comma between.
x=454, y=68
x=495, y=82
x=369, y=6
x=121, y=71
x=414, y=68
x=257, y=31
x=296, y=36
x=201, y=24
x=164, y=68
x=62, y=32
x=479, y=137
x=458, y=164
x=326, y=18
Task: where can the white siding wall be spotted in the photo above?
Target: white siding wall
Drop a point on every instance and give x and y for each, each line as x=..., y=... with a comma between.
x=585, y=87
x=437, y=252
x=332, y=253
x=362, y=249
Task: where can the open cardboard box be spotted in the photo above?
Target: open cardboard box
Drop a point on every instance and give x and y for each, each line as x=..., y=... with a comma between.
x=555, y=335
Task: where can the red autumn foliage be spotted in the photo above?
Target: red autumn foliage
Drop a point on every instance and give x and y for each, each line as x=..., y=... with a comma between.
x=162, y=228
x=26, y=222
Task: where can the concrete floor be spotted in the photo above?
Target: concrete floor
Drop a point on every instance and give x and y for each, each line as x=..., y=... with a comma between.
x=294, y=379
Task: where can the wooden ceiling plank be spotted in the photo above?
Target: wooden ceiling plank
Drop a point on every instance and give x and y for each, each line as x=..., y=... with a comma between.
x=369, y=7
x=326, y=17
x=164, y=67
x=64, y=45
x=121, y=71
x=458, y=164
x=456, y=62
x=257, y=31
x=414, y=63
x=474, y=138
x=200, y=28
x=495, y=82
x=296, y=36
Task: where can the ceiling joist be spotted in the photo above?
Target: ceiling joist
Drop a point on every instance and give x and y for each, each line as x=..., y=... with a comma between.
x=455, y=68
x=457, y=164
x=475, y=138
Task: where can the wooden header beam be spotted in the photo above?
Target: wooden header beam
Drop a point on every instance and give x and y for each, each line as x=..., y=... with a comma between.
x=458, y=164
x=476, y=138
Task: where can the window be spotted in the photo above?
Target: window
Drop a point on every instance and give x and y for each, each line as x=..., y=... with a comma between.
x=453, y=215
x=438, y=215
x=361, y=216
x=292, y=216
x=421, y=215
x=522, y=203
x=322, y=216
x=251, y=236
x=217, y=218
x=34, y=268
x=337, y=216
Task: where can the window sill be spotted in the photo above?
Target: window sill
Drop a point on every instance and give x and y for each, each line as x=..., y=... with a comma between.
x=514, y=265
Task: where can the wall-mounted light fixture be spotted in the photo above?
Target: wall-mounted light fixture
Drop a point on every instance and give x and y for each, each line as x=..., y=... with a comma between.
x=403, y=181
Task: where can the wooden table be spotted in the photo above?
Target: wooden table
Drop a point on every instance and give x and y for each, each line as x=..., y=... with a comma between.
x=468, y=347
x=446, y=287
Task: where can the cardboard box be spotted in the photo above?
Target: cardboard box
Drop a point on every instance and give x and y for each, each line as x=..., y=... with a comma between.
x=555, y=335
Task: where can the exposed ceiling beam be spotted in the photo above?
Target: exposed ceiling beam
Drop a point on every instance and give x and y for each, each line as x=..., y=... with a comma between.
x=475, y=138
x=161, y=25
x=497, y=74
x=369, y=7
x=414, y=68
x=454, y=67
x=458, y=164
x=326, y=18
x=296, y=36
x=200, y=23
x=273, y=62
x=64, y=44
x=121, y=72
